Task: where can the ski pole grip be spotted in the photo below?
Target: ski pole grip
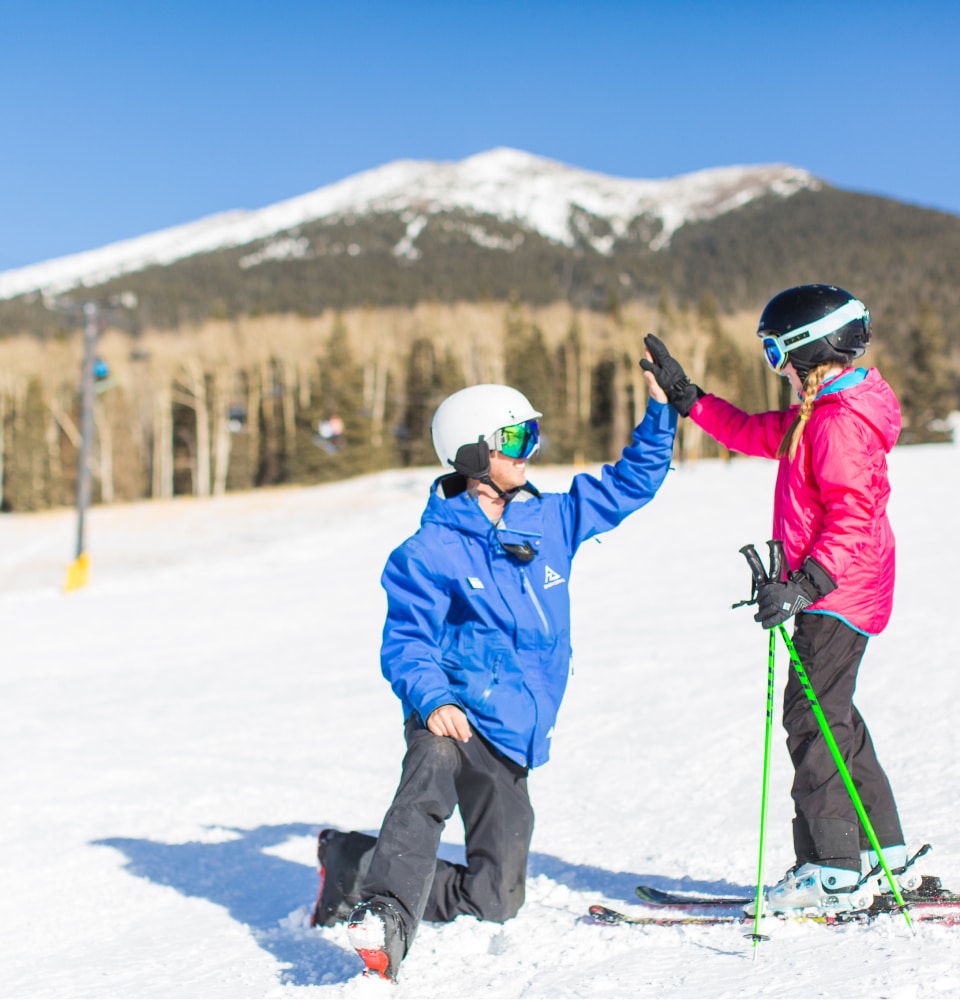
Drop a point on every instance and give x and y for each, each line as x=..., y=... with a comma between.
x=776, y=559
x=756, y=566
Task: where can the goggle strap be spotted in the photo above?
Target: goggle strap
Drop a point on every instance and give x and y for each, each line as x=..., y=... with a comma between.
x=823, y=327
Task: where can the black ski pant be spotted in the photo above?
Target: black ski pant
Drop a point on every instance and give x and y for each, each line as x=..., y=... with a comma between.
x=439, y=773
x=826, y=829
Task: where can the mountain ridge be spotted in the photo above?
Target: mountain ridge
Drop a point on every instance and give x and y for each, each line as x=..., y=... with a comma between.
x=534, y=192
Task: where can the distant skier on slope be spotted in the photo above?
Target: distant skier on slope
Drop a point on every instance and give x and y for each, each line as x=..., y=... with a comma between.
x=830, y=511
x=477, y=647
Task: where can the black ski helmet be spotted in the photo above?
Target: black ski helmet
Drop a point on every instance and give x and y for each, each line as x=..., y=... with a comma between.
x=813, y=324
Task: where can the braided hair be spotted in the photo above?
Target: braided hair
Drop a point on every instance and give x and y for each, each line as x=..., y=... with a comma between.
x=811, y=386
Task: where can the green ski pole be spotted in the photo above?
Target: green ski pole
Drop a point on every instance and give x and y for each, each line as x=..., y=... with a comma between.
x=771, y=658
x=761, y=577
x=844, y=770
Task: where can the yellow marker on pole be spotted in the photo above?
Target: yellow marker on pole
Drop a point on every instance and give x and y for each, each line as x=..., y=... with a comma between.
x=78, y=573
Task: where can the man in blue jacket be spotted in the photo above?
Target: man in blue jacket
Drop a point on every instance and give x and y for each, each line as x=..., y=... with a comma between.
x=476, y=646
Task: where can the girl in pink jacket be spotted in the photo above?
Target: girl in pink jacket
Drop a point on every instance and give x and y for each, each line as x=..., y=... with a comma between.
x=830, y=510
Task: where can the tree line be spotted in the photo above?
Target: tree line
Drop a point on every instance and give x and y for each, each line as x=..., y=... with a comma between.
x=236, y=404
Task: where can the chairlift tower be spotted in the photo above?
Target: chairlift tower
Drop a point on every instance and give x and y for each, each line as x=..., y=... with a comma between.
x=79, y=570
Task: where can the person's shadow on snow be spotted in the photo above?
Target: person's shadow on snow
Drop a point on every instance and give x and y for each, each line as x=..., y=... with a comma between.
x=273, y=896
x=256, y=888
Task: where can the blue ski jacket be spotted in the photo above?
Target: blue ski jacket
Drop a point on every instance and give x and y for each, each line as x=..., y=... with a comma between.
x=468, y=624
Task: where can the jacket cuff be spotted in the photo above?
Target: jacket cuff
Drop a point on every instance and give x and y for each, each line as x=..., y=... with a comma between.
x=426, y=710
x=818, y=576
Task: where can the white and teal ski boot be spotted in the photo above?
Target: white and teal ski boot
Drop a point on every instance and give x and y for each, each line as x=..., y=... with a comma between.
x=905, y=870
x=813, y=887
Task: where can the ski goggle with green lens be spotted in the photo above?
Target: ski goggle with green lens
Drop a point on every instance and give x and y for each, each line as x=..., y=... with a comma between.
x=517, y=440
x=777, y=346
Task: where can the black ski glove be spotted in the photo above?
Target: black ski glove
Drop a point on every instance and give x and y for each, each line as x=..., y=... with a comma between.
x=670, y=376
x=779, y=600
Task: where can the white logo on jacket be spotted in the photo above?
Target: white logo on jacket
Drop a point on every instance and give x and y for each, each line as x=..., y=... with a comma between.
x=551, y=578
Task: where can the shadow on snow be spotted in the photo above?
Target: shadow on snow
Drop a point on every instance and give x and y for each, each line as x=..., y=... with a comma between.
x=273, y=896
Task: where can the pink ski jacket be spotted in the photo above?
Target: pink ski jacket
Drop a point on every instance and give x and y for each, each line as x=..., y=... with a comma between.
x=831, y=500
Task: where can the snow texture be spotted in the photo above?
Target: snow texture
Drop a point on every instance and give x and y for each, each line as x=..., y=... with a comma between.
x=539, y=194
x=175, y=735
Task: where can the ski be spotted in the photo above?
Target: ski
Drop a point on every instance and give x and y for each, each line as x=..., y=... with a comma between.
x=608, y=917
x=945, y=913
x=676, y=900
x=929, y=891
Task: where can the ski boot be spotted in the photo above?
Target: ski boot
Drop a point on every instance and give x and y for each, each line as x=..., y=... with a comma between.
x=379, y=937
x=817, y=887
x=907, y=873
x=344, y=859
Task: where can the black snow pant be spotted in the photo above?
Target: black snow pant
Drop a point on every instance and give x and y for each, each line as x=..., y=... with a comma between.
x=439, y=773
x=826, y=829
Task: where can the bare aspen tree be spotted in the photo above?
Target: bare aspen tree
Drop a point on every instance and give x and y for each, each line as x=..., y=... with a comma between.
x=162, y=480
x=3, y=439
x=104, y=455
x=222, y=438
x=369, y=382
x=619, y=426
x=379, y=408
x=65, y=422
x=287, y=377
x=191, y=391
x=584, y=371
x=254, y=398
x=272, y=433
x=376, y=371
x=693, y=439
x=304, y=385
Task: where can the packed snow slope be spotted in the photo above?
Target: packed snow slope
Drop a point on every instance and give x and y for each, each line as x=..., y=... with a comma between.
x=175, y=735
x=538, y=193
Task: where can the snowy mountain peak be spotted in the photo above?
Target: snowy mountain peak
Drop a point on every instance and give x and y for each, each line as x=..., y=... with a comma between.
x=534, y=192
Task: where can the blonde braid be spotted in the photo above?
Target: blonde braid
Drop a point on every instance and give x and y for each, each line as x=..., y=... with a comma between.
x=811, y=386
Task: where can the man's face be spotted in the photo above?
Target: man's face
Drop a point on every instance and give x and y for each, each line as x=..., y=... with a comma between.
x=507, y=473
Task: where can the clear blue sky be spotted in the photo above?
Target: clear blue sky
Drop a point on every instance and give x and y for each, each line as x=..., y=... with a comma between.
x=120, y=118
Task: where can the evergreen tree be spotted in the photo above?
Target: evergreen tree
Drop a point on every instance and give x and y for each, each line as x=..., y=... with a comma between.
x=566, y=428
x=415, y=444
x=528, y=366
x=27, y=476
x=603, y=401
x=927, y=394
x=342, y=400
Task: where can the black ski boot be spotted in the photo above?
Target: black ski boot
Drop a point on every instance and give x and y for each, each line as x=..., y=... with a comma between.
x=344, y=859
x=379, y=937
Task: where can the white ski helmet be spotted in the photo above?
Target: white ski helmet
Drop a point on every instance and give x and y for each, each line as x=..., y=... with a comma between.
x=474, y=414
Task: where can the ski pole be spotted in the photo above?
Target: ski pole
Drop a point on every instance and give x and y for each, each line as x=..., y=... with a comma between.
x=771, y=659
x=760, y=576
x=843, y=769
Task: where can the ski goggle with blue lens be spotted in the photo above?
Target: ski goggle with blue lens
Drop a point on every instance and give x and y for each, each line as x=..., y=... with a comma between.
x=777, y=346
x=517, y=440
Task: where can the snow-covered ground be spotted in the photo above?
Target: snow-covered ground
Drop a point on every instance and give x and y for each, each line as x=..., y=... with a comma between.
x=174, y=736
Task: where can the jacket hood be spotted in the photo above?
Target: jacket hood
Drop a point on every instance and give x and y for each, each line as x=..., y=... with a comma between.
x=451, y=505
x=874, y=402
x=461, y=512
